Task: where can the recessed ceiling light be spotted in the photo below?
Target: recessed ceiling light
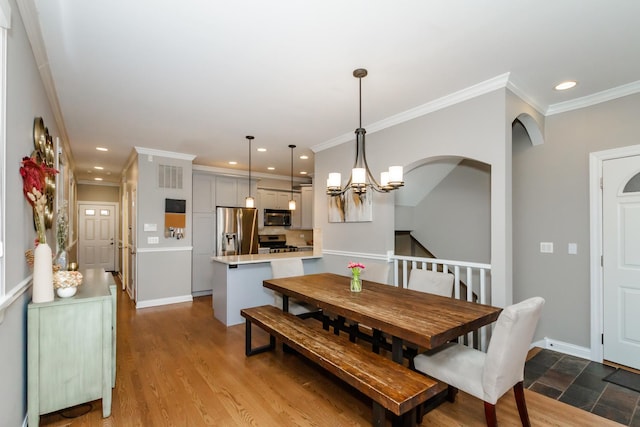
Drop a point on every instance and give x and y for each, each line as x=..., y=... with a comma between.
x=102, y=149
x=98, y=167
x=566, y=85
x=271, y=168
x=303, y=172
x=262, y=150
x=233, y=163
x=303, y=157
x=97, y=179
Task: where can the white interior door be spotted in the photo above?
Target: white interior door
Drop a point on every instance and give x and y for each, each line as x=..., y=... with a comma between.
x=621, y=260
x=97, y=235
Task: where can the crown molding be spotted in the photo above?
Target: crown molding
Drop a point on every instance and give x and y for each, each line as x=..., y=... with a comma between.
x=470, y=92
x=29, y=14
x=596, y=98
x=525, y=97
x=245, y=174
x=162, y=153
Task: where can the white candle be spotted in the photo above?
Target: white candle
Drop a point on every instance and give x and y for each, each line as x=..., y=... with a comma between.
x=334, y=180
x=358, y=176
x=395, y=174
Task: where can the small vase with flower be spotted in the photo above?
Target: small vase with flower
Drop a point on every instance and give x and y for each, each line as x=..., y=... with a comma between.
x=356, y=282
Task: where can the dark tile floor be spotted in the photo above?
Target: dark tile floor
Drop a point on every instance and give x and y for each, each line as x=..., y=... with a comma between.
x=578, y=382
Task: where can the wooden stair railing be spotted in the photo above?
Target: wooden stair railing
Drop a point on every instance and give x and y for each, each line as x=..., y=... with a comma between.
x=417, y=249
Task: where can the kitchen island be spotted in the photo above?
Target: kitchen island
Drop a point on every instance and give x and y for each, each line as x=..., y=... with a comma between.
x=237, y=281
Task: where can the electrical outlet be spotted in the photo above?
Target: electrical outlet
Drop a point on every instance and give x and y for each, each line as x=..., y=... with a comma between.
x=572, y=249
x=546, y=247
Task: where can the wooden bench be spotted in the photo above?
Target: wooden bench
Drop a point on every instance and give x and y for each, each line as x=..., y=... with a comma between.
x=391, y=386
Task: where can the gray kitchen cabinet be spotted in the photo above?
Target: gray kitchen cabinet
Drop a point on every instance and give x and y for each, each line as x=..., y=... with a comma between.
x=204, y=247
x=233, y=191
x=296, y=215
x=71, y=348
x=306, y=207
x=274, y=199
x=226, y=191
x=204, y=193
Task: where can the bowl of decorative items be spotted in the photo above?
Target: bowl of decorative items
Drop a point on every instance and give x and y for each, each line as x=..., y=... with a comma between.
x=66, y=283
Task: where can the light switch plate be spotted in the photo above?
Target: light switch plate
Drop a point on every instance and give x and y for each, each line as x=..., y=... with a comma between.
x=546, y=247
x=153, y=240
x=572, y=249
x=151, y=227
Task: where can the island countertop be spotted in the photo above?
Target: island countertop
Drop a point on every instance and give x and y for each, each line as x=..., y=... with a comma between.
x=264, y=258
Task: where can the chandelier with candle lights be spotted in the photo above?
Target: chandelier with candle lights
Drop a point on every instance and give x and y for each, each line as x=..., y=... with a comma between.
x=361, y=177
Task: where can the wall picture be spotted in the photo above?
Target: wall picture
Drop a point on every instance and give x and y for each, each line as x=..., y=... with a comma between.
x=350, y=207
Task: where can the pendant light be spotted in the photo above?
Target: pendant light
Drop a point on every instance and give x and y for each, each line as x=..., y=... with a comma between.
x=292, y=203
x=249, y=202
x=361, y=176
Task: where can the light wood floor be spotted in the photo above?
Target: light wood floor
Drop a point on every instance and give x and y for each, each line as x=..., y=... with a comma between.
x=178, y=366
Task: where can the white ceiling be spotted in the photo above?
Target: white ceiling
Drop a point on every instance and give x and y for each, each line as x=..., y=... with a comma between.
x=196, y=76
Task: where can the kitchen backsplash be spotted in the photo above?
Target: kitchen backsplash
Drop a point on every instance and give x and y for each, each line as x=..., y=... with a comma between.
x=294, y=237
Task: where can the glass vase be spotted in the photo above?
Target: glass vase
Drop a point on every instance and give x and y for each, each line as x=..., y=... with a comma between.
x=61, y=259
x=356, y=283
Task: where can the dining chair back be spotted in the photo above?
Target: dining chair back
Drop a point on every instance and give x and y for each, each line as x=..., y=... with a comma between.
x=377, y=273
x=489, y=376
x=433, y=282
x=288, y=268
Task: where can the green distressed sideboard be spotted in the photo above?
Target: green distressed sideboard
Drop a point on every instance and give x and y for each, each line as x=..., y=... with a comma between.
x=71, y=348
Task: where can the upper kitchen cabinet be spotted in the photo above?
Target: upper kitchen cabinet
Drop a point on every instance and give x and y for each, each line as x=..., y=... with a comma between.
x=273, y=199
x=296, y=215
x=211, y=190
x=306, y=207
x=233, y=191
x=226, y=191
x=204, y=192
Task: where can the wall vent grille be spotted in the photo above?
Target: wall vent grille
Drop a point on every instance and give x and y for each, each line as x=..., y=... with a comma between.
x=170, y=176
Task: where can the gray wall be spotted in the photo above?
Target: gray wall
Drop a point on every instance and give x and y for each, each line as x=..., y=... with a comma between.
x=474, y=129
x=26, y=99
x=98, y=193
x=551, y=204
x=162, y=272
x=454, y=220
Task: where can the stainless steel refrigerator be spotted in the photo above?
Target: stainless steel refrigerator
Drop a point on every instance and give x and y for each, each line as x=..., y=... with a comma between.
x=237, y=231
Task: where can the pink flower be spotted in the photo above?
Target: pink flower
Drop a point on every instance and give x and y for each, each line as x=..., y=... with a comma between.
x=355, y=267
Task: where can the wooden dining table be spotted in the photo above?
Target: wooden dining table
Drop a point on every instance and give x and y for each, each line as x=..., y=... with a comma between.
x=408, y=316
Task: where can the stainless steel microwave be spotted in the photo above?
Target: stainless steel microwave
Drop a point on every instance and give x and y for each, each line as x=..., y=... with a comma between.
x=281, y=217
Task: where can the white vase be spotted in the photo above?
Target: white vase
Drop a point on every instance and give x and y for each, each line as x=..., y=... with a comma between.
x=42, y=274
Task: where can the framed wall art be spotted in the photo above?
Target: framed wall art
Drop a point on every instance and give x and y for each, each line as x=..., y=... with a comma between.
x=350, y=207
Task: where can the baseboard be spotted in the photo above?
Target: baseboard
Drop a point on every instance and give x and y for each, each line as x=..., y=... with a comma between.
x=563, y=347
x=201, y=293
x=163, y=301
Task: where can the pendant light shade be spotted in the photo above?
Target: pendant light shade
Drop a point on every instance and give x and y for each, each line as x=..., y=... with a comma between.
x=361, y=177
x=249, y=202
x=292, y=203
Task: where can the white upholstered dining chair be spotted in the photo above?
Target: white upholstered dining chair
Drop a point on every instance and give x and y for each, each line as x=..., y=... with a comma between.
x=433, y=282
x=289, y=268
x=489, y=376
x=376, y=273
